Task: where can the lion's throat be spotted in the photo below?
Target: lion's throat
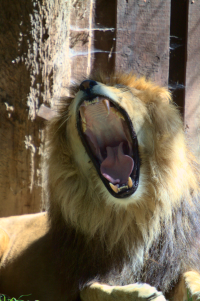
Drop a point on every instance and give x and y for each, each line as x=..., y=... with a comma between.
x=117, y=166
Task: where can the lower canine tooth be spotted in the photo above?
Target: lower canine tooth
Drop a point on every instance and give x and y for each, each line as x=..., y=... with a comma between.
x=130, y=182
x=107, y=105
x=114, y=187
x=84, y=127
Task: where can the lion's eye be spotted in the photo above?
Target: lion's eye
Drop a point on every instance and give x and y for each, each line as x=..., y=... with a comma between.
x=110, y=142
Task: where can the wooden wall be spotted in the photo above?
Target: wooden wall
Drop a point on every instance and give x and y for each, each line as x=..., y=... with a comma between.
x=46, y=44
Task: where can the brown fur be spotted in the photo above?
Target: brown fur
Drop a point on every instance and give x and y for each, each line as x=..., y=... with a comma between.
x=4, y=239
x=150, y=237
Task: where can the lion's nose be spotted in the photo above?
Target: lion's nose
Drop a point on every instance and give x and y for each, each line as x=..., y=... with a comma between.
x=87, y=85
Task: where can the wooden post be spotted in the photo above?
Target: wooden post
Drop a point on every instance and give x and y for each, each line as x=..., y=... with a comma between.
x=192, y=89
x=20, y=136
x=44, y=46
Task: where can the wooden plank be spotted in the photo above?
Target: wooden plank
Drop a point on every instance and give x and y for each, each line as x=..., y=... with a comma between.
x=55, y=50
x=104, y=35
x=142, y=44
x=92, y=36
x=192, y=89
x=81, y=37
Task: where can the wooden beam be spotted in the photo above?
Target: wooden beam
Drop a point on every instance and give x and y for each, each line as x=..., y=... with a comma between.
x=142, y=45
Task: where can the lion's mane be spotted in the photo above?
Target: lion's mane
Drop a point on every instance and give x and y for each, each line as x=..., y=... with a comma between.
x=155, y=235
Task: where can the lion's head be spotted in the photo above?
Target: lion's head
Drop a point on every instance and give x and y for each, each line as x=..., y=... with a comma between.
x=118, y=160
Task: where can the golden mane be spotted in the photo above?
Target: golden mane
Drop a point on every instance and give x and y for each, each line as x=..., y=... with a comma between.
x=168, y=173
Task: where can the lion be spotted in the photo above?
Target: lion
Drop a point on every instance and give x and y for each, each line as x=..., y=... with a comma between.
x=124, y=210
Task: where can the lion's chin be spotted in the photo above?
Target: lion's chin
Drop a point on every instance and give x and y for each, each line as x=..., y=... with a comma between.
x=108, y=136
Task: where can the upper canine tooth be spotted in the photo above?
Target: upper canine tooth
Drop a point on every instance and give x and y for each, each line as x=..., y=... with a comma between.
x=107, y=105
x=114, y=188
x=130, y=182
x=84, y=127
x=84, y=123
x=82, y=111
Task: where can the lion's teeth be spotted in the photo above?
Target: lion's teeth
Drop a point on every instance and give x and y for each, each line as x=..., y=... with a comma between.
x=114, y=188
x=117, y=189
x=107, y=105
x=85, y=103
x=122, y=188
x=95, y=100
x=130, y=182
x=117, y=113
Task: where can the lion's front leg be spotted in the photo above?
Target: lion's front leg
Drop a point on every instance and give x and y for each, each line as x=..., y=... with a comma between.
x=190, y=283
x=132, y=292
x=188, y=288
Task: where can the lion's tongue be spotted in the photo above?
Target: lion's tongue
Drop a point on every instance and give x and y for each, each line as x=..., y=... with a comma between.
x=117, y=166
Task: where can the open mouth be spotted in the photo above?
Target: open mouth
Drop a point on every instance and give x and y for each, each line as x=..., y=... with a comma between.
x=109, y=139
